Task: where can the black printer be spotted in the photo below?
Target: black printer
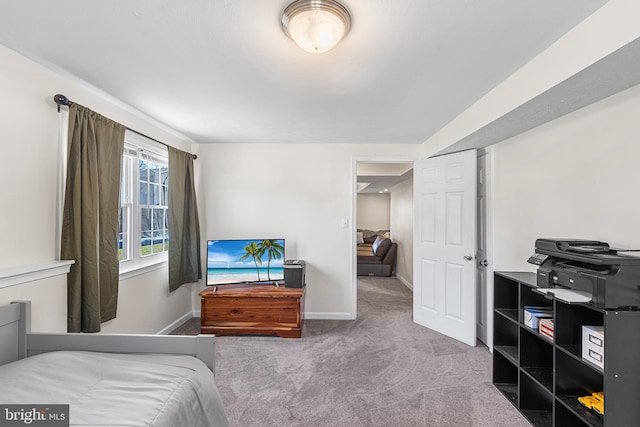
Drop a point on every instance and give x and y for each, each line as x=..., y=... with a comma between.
x=611, y=276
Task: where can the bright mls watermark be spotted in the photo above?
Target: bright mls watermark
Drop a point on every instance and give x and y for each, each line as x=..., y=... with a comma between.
x=34, y=415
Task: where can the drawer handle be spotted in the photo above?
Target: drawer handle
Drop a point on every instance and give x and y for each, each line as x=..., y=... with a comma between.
x=595, y=355
x=597, y=341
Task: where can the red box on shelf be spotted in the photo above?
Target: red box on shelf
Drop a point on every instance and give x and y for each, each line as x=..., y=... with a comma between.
x=546, y=328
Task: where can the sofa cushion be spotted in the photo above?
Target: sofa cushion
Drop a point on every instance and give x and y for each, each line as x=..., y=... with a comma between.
x=367, y=233
x=376, y=243
x=360, y=238
x=380, y=247
x=371, y=259
x=365, y=250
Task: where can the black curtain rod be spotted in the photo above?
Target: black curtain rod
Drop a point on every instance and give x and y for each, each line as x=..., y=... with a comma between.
x=63, y=100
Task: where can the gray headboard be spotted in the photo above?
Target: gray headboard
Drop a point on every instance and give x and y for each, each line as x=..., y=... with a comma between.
x=15, y=322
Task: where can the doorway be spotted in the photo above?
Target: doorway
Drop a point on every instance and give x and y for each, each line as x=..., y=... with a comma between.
x=383, y=202
x=484, y=283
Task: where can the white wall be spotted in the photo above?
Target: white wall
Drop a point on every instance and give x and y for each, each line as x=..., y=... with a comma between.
x=373, y=212
x=575, y=177
x=145, y=305
x=45, y=296
x=28, y=172
x=302, y=192
x=402, y=229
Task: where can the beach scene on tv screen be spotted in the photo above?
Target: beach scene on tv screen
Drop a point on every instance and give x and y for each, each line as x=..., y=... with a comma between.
x=239, y=261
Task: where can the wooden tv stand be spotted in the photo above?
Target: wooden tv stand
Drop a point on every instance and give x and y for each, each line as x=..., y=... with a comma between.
x=246, y=309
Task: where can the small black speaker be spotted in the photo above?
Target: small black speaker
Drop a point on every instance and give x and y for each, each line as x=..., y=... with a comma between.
x=294, y=273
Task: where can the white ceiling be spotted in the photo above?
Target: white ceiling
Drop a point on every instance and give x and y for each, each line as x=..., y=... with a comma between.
x=224, y=71
x=375, y=178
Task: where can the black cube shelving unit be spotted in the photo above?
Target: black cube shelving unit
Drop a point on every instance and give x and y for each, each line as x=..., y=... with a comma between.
x=543, y=378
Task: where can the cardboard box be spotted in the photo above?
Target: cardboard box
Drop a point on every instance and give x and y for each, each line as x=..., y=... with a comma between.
x=593, y=344
x=532, y=315
x=546, y=328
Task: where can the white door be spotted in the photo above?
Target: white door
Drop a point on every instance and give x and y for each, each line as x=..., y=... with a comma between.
x=444, y=268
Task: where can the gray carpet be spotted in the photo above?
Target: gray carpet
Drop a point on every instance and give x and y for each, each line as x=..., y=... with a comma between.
x=379, y=370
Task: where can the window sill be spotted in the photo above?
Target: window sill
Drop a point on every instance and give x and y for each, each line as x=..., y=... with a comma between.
x=128, y=272
x=16, y=276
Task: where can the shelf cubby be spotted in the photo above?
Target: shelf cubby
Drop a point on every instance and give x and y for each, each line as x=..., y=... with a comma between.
x=575, y=378
x=536, y=403
x=570, y=412
x=530, y=298
x=506, y=337
x=505, y=294
x=566, y=415
x=569, y=322
x=536, y=358
x=505, y=377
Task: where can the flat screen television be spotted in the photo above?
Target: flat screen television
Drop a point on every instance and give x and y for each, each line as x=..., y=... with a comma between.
x=244, y=261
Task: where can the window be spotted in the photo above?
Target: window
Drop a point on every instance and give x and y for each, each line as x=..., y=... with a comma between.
x=143, y=237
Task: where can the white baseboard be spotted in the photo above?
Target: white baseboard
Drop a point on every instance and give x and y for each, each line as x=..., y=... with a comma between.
x=405, y=282
x=178, y=322
x=307, y=316
x=327, y=316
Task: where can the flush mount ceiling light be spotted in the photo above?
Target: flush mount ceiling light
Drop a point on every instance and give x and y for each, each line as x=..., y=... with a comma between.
x=316, y=25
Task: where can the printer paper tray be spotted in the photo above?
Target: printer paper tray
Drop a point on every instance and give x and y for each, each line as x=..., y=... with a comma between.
x=568, y=296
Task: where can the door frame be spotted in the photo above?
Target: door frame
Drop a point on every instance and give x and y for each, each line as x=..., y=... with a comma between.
x=489, y=151
x=354, y=216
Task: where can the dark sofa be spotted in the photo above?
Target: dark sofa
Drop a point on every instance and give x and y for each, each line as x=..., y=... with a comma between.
x=377, y=258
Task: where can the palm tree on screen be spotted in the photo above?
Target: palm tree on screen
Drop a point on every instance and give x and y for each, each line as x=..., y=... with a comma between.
x=254, y=251
x=274, y=250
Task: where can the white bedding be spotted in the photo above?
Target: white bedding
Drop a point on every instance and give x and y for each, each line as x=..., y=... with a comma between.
x=105, y=389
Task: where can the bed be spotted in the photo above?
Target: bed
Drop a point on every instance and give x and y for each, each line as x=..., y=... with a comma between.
x=109, y=379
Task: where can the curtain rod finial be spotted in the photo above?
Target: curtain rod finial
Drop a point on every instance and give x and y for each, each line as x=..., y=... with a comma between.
x=61, y=100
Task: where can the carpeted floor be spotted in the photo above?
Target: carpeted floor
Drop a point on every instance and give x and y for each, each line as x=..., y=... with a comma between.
x=379, y=370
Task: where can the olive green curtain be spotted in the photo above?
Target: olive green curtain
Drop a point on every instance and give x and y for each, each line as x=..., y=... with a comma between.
x=185, y=265
x=90, y=218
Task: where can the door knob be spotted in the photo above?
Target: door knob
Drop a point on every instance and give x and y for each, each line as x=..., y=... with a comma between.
x=484, y=263
x=468, y=257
